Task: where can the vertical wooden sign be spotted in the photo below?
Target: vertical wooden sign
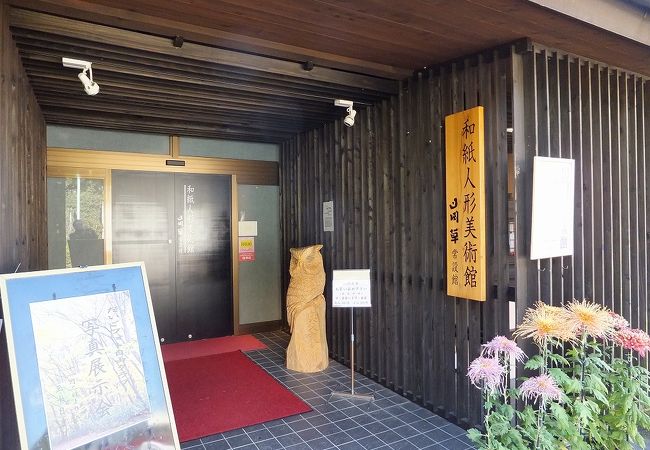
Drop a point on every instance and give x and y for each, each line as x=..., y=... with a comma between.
x=465, y=164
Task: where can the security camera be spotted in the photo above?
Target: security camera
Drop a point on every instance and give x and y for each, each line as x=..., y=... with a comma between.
x=90, y=86
x=349, y=104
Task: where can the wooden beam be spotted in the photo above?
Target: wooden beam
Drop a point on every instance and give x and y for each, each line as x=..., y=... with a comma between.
x=117, y=17
x=91, y=32
x=149, y=73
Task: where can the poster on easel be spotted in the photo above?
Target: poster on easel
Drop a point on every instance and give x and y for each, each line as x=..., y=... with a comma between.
x=86, y=366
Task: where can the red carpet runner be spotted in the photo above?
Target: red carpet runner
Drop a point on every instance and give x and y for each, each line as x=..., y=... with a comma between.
x=217, y=393
x=205, y=347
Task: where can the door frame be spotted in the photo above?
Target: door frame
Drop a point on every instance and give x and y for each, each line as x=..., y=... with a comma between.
x=98, y=164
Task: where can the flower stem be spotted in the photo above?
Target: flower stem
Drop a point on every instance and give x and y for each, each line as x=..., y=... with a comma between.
x=583, y=360
x=487, y=419
x=540, y=419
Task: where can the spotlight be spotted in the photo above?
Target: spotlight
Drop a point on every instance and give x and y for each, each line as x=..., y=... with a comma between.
x=349, y=104
x=90, y=86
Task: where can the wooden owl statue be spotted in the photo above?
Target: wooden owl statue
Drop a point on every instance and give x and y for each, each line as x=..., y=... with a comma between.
x=307, y=350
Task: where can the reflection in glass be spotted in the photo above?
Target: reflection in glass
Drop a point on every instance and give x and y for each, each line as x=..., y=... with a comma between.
x=75, y=211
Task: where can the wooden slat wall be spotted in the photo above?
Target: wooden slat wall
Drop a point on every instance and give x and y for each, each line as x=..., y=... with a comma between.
x=596, y=114
x=386, y=178
x=23, y=225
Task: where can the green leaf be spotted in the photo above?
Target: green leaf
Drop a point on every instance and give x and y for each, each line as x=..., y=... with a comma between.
x=474, y=435
x=534, y=363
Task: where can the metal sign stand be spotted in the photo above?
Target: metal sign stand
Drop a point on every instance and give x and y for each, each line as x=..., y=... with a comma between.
x=351, y=395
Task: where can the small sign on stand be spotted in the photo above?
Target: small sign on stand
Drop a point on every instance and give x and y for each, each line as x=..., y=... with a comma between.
x=351, y=289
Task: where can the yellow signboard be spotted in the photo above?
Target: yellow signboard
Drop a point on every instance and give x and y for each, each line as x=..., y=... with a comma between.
x=465, y=164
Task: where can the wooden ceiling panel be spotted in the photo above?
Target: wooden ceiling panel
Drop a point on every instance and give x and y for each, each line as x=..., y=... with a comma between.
x=240, y=72
x=154, y=86
x=381, y=37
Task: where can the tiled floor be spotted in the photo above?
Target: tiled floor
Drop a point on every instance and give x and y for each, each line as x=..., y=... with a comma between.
x=391, y=421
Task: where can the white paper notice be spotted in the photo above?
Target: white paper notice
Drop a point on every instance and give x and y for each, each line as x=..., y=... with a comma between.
x=351, y=288
x=328, y=216
x=553, y=209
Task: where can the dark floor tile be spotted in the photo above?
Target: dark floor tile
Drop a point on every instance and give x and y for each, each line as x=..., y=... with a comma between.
x=328, y=428
x=370, y=442
x=192, y=443
x=421, y=441
x=406, y=431
x=231, y=433
x=238, y=441
x=438, y=435
x=220, y=444
x=320, y=444
x=403, y=445
x=389, y=436
x=318, y=420
x=290, y=439
x=280, y=430
x=339, y=438
x=346, y=424
x=299, y=425
x=260, y=435
x=358, y=433
x=452, y=444
x=213, y=437
x=270, y=444
x=364, y=419
x=349, y=446
x=453, y=430
x=309, y=434
x=376, y=427
x=247, y=447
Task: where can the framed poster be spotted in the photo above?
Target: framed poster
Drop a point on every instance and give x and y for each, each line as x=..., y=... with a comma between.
x=551, y=232
x=86, y=366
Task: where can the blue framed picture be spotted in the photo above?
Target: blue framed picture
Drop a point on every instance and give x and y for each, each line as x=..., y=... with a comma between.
x=86, y=366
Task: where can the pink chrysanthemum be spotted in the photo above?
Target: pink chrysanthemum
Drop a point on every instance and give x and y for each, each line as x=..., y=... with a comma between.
x=501, y=344
x=633, y=339
x=543, y=386
x=486, y=372
x=618, y=321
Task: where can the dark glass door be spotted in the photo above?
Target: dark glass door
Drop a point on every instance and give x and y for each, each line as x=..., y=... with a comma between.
x=179, y=225
x=203, y=261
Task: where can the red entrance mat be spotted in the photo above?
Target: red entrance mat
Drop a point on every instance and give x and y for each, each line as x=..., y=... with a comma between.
x=217, y=393
x=205, y=347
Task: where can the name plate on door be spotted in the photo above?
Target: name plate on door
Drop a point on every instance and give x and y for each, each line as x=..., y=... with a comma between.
x=351, y=288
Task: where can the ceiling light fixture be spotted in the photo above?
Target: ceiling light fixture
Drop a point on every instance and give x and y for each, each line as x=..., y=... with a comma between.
x=349, y=104
x=90, y=86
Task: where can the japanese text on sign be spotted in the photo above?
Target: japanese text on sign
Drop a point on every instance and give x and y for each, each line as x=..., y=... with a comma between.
x=466, y=272
x=351, y=289
x=185, y=221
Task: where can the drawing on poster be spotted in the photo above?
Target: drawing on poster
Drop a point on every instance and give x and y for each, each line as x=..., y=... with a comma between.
x=90, y=367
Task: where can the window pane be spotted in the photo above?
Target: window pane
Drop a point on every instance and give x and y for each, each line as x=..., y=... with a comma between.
x=75, y=213
x=109, y=140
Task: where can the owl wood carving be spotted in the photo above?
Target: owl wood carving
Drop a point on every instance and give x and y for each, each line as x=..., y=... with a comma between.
x=307, y=350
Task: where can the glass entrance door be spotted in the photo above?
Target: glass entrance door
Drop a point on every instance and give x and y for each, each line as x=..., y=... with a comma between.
x=75, y=214
x=179, y=225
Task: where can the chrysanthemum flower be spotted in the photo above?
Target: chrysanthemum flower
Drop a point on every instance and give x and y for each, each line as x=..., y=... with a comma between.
x=618, y=321
x=633, y=339
x=486, y=372
x=591, y=319
x=508, y=347
x=542, y=386
x=544, y=321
